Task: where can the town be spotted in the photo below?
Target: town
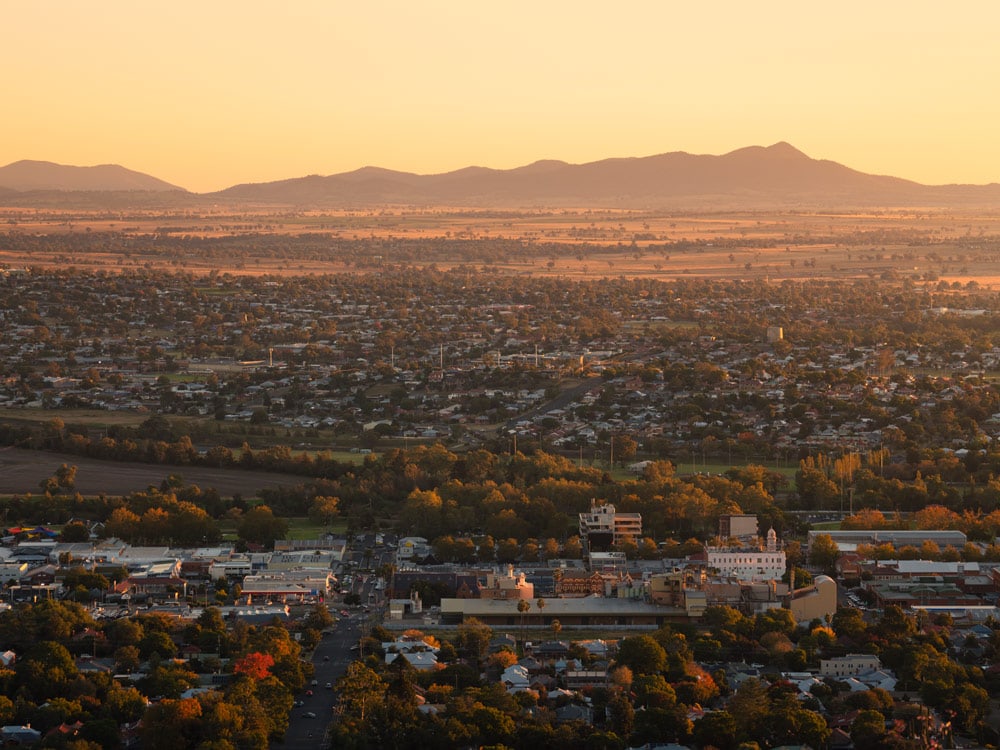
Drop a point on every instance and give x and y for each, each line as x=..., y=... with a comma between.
x=462, y=507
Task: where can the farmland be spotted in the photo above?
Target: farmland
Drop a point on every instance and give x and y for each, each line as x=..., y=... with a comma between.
x=916, y=243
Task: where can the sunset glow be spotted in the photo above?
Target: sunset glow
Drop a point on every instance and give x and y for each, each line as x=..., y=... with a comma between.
x=207, y=95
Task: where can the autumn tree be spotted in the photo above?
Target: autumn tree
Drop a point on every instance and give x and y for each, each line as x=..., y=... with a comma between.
x=254, y=665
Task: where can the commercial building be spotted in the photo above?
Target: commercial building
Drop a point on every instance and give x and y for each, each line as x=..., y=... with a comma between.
x=603, y=527
x=748, y=563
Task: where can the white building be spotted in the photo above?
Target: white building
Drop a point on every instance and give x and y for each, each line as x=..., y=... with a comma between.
x=411, y=547
x=850, y=665
x=748, y=563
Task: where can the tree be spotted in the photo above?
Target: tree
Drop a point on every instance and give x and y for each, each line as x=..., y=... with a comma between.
x=318, y=618
x=749, y=707
x=66, y=477
x=260, y=526
x=472, y=638
x=75, y=532
x=573, y=548
x=814, y=488
x=716, y=729
x=157, y=642
x=127, y=659
x=936, y=517
x=823, y=552
x=169, y=680
x=359, y=690
x=255, y=665
x=46, y=670
x=624, y=448
x=642, y=654
x=868, y=730
x=171, y=724
x=324, y=509
x=621, y=715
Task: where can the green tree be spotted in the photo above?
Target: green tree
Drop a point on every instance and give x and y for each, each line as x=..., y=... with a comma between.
x=260, y=526
x=75, y=532
x=360, y=690
x=716, y=729
x=823, y=552
x=46, y=670
x=472, y=639
x=868, y=730
x=642, y=654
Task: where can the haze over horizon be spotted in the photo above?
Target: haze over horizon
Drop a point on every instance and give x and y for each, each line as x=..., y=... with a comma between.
x=208, y=96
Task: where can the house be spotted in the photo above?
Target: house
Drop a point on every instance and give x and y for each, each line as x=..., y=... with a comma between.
x=515, y=678
x=577, y=679
x=19, y=735
x=423, y=661
x=419, y=653
x=575, y=712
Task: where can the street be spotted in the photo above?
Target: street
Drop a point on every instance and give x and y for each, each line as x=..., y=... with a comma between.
x=333, y=654
x=307, y=733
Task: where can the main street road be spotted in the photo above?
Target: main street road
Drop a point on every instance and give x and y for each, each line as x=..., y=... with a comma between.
x=330, y=660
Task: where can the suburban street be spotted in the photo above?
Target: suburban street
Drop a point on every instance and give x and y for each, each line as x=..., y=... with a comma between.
x=334, y=652
x=304, y=732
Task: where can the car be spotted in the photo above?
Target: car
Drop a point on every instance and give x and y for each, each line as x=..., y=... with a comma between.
x=299, y=703
x=326, y=658
x=315, y=683
x=329, y=685
x=309, y=715
x=309, y=693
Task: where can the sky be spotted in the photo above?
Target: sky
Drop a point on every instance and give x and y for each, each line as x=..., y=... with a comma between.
x=206, y=95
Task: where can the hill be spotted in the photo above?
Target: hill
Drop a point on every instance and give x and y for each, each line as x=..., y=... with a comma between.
x=27, y=175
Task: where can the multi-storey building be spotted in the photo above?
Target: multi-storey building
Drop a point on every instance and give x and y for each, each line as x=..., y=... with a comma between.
x=603, y=527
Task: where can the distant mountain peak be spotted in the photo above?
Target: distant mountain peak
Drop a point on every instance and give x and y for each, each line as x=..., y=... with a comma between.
x=784, y=147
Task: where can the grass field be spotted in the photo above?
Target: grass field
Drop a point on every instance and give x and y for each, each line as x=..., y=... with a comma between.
x=298, y=528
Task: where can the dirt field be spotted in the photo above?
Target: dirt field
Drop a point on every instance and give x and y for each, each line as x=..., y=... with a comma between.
x=21, y=471
x=919, y=243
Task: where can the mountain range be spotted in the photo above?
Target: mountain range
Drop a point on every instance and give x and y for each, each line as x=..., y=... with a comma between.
x=777, y=176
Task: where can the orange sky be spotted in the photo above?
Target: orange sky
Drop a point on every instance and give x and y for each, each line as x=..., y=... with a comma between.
x=210, y=94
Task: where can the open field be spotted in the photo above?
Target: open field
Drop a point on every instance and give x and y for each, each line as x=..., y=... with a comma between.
x=919, y=243
x=298, y=528
x=21, y=471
